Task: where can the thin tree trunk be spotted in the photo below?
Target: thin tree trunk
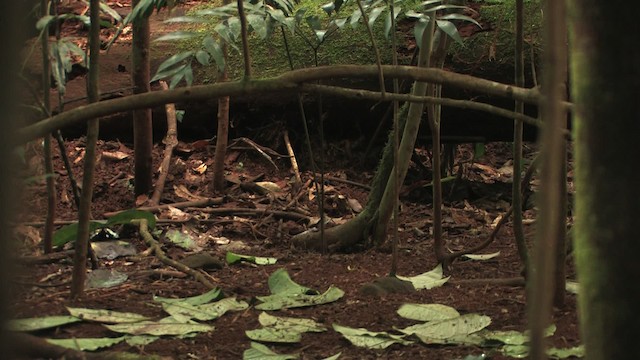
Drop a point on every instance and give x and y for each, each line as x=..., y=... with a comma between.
x=222, y=135
x=605, y=82
x=540, y=294
x=48, y=156
x=142, y=121
x=516, y=194
x=84, y=214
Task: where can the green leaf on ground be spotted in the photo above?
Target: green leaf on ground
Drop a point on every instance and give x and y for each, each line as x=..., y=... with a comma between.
x=369, y=339
x=88, y=344
x=181, y=239
x=159, y=328
x=183, y=311
x=280, y=283
x=194, y=300
x=227, y=304
x=140, y=340
x=450, y=330
x=293, y=324
x=428, y=280
x=283, y=329
x=105, y=278
x=556, y=353
x=233, y=258
x=41, y=323
x=105, y=316
x=522, y=351
x=427, y=312
x=288, y=301
x=261, y=352
x=274, y=335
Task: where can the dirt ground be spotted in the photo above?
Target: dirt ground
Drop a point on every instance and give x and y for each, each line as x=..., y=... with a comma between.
x=481, y=195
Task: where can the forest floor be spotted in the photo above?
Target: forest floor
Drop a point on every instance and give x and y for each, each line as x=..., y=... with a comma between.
x=479, y=197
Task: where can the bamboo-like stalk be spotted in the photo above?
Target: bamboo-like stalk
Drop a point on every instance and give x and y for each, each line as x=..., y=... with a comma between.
x=84, y=213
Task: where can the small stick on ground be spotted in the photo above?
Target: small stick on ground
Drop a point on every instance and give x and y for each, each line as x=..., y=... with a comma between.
x=170, y=140
x=257, y=212
x=157, y=249
x=292, y=156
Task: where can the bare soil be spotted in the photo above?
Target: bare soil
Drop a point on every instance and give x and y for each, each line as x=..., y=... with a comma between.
x=479, y=197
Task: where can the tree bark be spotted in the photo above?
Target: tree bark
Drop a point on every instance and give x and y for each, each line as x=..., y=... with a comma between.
x=605, y=86
x=142, y=121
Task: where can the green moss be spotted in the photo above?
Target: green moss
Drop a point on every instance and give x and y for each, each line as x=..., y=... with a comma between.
x=497, y=46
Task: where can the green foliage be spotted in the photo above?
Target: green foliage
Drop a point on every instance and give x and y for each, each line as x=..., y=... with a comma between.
x=69, y=233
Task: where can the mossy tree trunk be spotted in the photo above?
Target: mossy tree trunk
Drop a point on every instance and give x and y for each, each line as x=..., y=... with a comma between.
x=605, y=87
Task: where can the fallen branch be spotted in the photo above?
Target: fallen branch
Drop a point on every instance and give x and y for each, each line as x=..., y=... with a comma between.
x=286, y=83
x=258, y=212
x=516, y=281
x=157, y=249
x=170, y=140
x=178, y=205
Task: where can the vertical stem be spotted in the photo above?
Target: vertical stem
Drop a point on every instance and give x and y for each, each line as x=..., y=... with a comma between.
x=365, y=20
x=396, y=142
x=245, y=40
x=516, y=194
x=48, y=156
x=541, y=289
x=82, y=241
x=142, y=121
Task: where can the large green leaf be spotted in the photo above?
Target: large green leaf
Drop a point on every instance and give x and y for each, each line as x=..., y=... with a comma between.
x=427, y=280
x=69, y=233
x=374, y=14
x=125, y=217
x=450, y=29
x=159, y=328
x=168, y=72
x=289, y=301
x=41, y=323
x=105, y=316
x=449, y=330
x=177, y=35
x=86, y=344
x=258, y=24
x=460, y=17
x=194, y=300
x=280, y=283
x=215, y=50
x=388, y=21
x=173, y=60
x=427, y=312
